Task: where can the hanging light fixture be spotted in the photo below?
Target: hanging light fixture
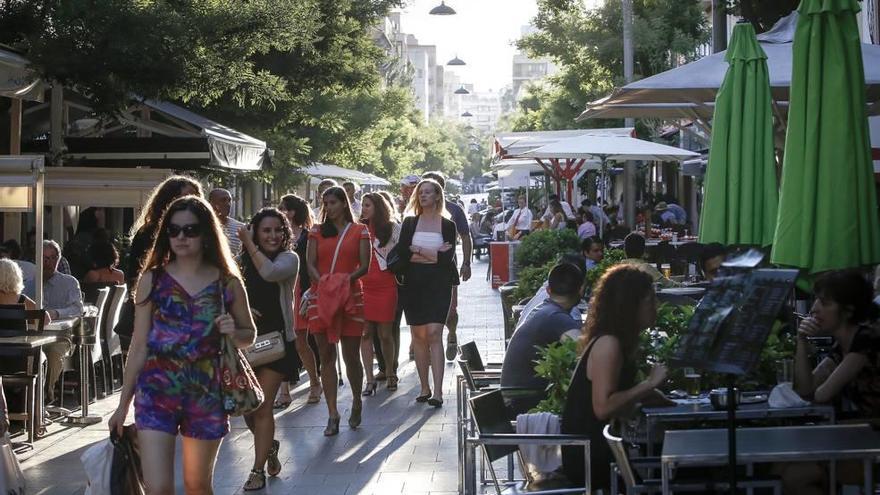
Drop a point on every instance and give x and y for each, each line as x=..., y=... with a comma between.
x=442, y=9
x=456, y=61
x=462, y=91
x=467, y=114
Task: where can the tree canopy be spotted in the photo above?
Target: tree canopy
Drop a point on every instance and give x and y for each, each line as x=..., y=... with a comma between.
x=304, y=75
x=587, y=45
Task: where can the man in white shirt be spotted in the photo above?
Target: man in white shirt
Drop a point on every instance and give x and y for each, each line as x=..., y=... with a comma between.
x=521, y=220
x=350, y=191
x=63, y=299
x=221, y=201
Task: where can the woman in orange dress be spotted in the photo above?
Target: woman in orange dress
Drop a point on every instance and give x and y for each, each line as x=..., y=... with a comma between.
x=380, y=290
x=338, y=255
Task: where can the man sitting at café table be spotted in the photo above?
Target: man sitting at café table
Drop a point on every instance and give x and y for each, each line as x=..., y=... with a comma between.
x=543, y=326
x=634, y=248
x=593, y=250
x=711, y=258
x=62, y=299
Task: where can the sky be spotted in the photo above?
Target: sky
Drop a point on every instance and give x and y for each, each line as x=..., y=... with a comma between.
x=481, y=34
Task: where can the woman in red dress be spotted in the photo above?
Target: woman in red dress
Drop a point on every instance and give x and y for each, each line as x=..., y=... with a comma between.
x=380, y=289
x=338, y=255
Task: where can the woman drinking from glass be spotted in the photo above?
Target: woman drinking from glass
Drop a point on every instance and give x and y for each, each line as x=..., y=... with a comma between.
x=604, y=385
x=173, y=371
x=338, y=256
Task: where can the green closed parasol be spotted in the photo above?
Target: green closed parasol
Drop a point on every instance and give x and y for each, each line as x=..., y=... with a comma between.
x=741, y=194
x=827, y=206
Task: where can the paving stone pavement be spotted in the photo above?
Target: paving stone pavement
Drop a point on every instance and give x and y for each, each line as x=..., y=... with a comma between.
x=401, y=447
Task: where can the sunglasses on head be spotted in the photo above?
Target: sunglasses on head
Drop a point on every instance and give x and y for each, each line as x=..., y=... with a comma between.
x=189, y=230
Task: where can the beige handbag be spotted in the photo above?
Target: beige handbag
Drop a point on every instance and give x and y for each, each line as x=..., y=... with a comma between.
x=267, y=348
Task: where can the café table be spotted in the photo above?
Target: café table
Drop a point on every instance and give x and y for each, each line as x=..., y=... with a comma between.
x=824, y=443
x=701, y=411
x=29, y=343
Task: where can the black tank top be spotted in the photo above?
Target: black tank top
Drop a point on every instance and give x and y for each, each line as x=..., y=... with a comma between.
x=578, y=418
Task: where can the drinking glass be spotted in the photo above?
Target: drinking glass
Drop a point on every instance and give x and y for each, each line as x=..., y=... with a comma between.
x=667, y=270
x=692, y=380
x=785, y=371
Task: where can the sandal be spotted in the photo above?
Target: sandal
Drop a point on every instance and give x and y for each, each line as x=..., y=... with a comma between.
x=332, y=427
x=314, y=398
x=256, y=480
x=380, y=376
x=281, y=404
x=425, y=397
x=354, y=420
x=273, y=466
x=369, y=390
x=392, y=383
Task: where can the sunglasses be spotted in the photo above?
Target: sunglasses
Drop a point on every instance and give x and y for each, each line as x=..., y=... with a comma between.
x=189, y=230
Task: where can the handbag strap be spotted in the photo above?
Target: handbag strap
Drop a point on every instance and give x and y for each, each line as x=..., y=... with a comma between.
x=338, y=246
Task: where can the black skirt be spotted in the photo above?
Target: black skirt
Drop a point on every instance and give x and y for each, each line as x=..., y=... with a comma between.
x=427, y=294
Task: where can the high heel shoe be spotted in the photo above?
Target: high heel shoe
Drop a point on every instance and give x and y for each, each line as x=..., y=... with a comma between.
x=332, y=426
x=355, y=419
x=369, y=390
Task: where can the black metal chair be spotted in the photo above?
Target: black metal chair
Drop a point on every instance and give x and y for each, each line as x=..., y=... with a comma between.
x=498, y=439
x=14, y=320
x=471, y=354
x=112, y=345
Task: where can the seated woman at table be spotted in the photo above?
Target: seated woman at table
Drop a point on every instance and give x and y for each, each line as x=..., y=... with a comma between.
x=12, y=285
x=104, y=258
x=604, y=385
x=849, y=377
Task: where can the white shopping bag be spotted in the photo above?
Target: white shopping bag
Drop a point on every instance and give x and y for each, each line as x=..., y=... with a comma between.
x=11, y=477
x=98, y=461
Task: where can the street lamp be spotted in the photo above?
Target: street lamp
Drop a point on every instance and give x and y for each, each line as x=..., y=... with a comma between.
x=456, y=61
x=462, y=91
x=442, y=9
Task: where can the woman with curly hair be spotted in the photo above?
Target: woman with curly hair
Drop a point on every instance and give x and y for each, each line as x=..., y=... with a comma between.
x=269, y=269
x=189, y=298
x=604, y=385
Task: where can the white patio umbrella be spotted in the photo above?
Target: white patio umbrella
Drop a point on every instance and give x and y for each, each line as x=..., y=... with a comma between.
x=608, y=147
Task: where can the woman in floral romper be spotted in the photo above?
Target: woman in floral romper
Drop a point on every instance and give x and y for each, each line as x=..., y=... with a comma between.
x=172, y=372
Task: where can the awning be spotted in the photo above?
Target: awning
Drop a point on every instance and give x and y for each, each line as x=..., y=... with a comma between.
x=107, y=187
x=228, y=148
x=320, y=171
x=17, y=80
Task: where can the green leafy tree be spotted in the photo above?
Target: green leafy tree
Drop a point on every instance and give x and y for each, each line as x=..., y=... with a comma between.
x=762, y=14
x=588, y=47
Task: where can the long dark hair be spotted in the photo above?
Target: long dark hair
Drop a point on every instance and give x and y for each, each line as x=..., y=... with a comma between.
x=88, y=221
x=214, y=246
x=328, y=229
x=166, y=192
x=380, y=224
x=395, y=215
x=302, y=213
x=614, y=307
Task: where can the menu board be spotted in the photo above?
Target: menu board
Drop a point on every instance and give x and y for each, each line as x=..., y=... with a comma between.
x=733, y=320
